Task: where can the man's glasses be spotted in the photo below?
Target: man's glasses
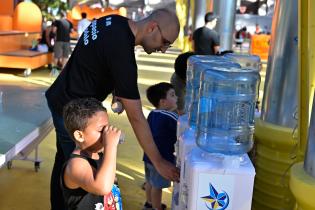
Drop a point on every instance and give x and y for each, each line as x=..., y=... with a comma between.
x=166, y=43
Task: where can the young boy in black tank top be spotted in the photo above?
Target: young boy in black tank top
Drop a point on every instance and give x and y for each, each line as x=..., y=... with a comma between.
x=87, y=178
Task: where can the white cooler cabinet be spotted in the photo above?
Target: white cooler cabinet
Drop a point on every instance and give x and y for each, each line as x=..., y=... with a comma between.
x=210, y=184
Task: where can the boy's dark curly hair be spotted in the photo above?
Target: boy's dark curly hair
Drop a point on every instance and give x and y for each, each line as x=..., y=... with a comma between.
x=78, y=111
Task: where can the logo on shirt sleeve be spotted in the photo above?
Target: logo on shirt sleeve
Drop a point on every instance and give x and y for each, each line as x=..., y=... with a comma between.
x=108, y=21
x=90, y=32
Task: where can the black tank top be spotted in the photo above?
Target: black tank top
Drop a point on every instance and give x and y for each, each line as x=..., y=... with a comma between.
x=79, y=199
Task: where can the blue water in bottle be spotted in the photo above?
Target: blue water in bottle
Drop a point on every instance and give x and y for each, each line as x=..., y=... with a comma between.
x=226, y=110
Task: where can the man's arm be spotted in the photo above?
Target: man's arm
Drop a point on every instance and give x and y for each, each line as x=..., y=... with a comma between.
x=143, y=133
x=193, y=45
x=216, y=44
x=47, y=36
x=216, y=49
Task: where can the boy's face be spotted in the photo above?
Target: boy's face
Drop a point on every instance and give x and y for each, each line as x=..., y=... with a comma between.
x=170, y=102
x=92, y=134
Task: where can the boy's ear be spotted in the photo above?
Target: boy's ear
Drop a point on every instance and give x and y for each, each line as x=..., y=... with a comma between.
x=78, y=135
x=162, y=102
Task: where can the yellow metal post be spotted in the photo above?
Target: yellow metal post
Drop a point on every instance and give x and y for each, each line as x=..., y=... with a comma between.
x=274, y=155
x=304, y=82
x=181, y=10
x=302, y=184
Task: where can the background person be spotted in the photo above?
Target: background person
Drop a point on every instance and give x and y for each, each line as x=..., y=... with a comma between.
x=163, y=124
x=83, y=24
x=206, y=40
x=240, y=35
x=62, y=28
x=47, y=39
x=178, y=79
x=103, y=62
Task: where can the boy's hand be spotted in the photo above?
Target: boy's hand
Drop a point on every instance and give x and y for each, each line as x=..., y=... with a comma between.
x=110, y=136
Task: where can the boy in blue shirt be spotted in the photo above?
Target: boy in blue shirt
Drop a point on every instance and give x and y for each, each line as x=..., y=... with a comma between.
x=162, y=122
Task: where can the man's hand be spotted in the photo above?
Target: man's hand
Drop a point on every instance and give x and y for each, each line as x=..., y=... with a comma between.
x=167, y=170
x=145, y=139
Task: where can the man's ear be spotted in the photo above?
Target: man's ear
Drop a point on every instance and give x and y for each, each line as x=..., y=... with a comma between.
x=151, y=25
x=78, y=135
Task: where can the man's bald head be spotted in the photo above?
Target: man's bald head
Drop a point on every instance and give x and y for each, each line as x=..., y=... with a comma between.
x=167, y=21
x=165, y=17
x=157, y=32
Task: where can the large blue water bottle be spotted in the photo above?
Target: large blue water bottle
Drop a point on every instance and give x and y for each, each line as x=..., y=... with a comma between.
x=226, y=110
x=198, y=68
x=190, y=74
x=197, y=64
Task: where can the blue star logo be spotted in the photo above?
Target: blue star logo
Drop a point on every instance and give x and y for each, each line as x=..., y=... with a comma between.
x=216, y=201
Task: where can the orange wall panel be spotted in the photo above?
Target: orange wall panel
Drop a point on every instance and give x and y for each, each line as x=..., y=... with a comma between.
x=7, y=7
x=6, y=23
x=260, y=46
x=27, y=17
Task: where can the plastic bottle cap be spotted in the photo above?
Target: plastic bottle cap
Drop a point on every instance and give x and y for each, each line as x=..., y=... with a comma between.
x=121, y=138
x=117, y=107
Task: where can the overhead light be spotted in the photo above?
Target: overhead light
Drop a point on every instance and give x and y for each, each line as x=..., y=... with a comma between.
x=116, y=2
x=154, y=1
x=97, y=5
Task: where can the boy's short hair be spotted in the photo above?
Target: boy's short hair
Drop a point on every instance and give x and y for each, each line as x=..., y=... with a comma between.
x=77, y=112
x=180, y=64
x=157, y=92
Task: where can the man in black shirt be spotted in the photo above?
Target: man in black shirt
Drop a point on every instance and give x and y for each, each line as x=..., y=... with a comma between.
x=103, y=62
x=62, y=28
x=206, y=41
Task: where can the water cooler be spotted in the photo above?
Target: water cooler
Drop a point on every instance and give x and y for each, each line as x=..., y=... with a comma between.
x=218, y=181
x=186, y=127
x=218, y=173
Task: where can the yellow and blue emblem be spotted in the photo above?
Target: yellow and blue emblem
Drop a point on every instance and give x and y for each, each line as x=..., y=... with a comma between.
x=216, y=201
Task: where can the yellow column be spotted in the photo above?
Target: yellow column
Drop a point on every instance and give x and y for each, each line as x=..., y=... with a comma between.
x=181, y=10
x=275, y=153
x=304, y=81
x=302, y=185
